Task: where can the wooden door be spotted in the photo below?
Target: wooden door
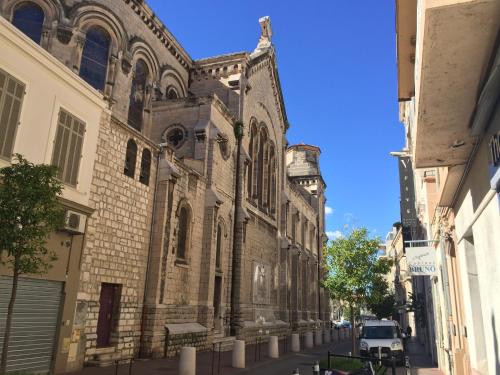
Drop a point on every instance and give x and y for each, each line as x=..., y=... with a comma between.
x=106, y=308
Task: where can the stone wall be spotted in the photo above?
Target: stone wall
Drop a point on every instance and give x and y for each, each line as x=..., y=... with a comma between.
x=117, y=240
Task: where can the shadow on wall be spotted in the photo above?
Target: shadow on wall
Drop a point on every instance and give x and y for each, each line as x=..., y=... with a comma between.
x=495, y=339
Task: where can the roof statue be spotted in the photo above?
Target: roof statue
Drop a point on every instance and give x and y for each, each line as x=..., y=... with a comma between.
x=266, y=34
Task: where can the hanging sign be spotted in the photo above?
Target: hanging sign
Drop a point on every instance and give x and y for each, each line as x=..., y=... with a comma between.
x=421, y=260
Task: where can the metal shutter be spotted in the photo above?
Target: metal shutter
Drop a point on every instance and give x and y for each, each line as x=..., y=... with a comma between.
x=34, y=324
x=11, y=97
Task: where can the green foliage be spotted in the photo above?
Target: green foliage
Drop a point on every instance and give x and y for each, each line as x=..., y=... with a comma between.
x=342, y=364
x=381, y=301
x=29, y=212
x=353, y=264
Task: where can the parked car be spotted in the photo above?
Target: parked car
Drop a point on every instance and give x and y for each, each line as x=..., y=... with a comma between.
x=343, y=324
x=384, y=337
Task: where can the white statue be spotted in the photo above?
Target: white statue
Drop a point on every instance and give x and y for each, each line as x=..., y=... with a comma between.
x=266, y=34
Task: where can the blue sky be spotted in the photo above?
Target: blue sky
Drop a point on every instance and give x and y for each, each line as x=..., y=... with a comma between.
x=337, y=65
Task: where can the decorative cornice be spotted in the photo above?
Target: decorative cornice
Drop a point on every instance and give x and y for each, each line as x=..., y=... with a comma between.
x=161, y=32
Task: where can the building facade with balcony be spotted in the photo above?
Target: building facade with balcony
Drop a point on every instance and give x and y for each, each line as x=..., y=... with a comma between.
x=448, y=73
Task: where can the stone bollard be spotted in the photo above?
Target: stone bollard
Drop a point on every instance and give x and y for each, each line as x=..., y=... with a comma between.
x=187, y=362
x=326, y=336
x=309, y=340
x=273, y=347
x=239, y=354
x=295, y=342
x=318, y=337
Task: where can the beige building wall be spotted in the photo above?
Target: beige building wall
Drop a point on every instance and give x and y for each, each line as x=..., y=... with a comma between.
x=50, y=87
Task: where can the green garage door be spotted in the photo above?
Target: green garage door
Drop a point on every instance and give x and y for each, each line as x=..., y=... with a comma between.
x=34, y=325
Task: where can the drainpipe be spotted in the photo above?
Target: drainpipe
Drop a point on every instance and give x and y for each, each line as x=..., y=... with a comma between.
x=143, y=314
x=237, y=238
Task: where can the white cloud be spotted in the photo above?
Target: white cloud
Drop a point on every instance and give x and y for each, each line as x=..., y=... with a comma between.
x=328, y=210
x=333, y=235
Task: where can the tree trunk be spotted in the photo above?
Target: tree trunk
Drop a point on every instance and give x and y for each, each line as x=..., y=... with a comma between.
x=8, y=323
x=353, y=324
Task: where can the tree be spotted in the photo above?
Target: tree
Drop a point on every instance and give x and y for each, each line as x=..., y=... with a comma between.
x=29, y=212
x=353, y=264
x=380, y=300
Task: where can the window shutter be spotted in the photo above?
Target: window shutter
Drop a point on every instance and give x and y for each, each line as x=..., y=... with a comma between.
x=11, y=97
x=68, y=147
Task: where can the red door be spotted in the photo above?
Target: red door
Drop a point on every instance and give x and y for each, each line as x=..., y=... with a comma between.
x=104, y=321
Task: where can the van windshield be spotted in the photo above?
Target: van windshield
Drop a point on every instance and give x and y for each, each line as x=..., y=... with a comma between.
x=380, y=332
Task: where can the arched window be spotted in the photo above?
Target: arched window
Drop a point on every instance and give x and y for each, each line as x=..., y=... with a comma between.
x=251, y=165
x=218, y=247
x=130, y=158
x=29, y=17
x=272, y=180
x=138, y=95
x=145, y=167
x=261, y=163
x=183, y=232
x=95, y=55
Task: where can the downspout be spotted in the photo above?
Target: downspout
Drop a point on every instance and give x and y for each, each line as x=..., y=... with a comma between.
x=160, y=152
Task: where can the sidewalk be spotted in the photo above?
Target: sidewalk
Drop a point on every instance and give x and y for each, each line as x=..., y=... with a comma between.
x=420, y=361
x=256, y=363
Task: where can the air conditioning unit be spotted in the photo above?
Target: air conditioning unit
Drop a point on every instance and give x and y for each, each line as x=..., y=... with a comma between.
x=74, y=222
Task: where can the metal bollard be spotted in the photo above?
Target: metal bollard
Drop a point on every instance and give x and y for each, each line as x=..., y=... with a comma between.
x=393, y=365
x=315, y=368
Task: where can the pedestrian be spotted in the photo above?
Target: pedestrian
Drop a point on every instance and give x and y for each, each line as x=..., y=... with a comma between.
x=408, y=331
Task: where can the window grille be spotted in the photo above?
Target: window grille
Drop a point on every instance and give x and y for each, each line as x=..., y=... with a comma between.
x=29, y=19
x=68, y=147
x=11, y=98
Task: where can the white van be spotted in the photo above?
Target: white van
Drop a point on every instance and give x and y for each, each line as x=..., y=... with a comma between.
x=383, y=334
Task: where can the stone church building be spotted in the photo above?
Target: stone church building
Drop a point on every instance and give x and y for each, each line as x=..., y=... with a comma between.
x=203, y=223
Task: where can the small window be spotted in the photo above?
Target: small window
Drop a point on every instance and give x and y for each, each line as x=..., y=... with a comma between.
x=130, y=158
x=182, y=235
x=145, y=167
x=68, y=147
x=11, y=98
x=94, y=64
x=28, y=18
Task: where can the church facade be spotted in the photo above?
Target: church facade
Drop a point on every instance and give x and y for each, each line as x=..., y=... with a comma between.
x=205, y=223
